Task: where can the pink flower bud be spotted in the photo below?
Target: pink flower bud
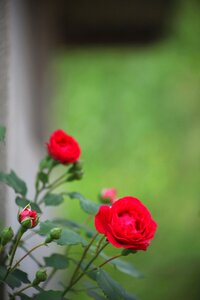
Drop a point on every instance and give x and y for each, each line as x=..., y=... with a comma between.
x=109, y=195
x=28, y=217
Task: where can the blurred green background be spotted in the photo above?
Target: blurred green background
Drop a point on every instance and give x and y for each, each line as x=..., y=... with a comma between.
x=135, y=112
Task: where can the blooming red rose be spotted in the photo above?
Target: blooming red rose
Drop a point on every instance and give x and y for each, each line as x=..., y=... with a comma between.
x=63, y=147
x=126, y=224
x=28, y=217
x=108, y=195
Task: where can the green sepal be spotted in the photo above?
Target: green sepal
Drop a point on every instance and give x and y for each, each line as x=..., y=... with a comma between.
x=40, y=276
x=126, y=252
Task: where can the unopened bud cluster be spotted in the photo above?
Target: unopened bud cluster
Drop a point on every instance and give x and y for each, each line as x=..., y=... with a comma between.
x=76, y=171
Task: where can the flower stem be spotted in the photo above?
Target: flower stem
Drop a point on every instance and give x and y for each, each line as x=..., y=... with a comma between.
x=50, y=186
x=20, y=291
x=107, y=261
x=28, y=253
x=31, y=256
x=100, y=242
x=53, y=186
x=79, y=264
x=13, y=250
x=18, y=238
x=49, y=278
x=73, y=282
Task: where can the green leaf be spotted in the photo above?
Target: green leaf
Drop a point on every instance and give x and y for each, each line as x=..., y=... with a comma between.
x=53, y=199
x=21, y=202
x=93, y=291
x=25, y=297
x=43, y=177
x=2, y=133
x=15, y=182
x=57, y=261
x=111, y=288
x=123, y=266
x=15, y=278
x=93, y=294
x=87, y=205
x=49, y=295
x=69, y=237
x=75, y=226
x=45, y=227
x=126, y=268
x=12, y=280
x=23, y=276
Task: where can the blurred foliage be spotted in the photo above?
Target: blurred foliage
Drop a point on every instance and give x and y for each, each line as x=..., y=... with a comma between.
x=135, y=112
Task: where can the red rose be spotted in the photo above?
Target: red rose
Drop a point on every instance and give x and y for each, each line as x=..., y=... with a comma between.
x=28, y=217
x=108, y=195
x=63, y=147
x=126, y=224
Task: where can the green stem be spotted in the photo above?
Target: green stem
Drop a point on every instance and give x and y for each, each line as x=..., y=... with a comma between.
x=107, y=261
x=51, y=189
x=38, y=191
x=13, y=250
x=49, y=278
x=23, y=289
x=31, y=256
x=99, y=243
x=27, y=254
x=36, y=196
x=72, y=283
x=81, y=260
x=56, y=181
x=18, y=238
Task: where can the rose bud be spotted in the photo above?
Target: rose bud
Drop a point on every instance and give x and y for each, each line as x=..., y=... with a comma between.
x=41, y=275
x=54, y=234
x=126, y=224
x=108, y=195
x=28, y=218
x=6, y=235
x=63, y=147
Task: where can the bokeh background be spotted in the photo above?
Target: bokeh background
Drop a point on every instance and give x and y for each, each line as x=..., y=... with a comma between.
x=134, y=108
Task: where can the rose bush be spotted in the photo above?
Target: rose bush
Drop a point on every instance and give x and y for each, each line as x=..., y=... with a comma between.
x=126, y=224
x=63, y=147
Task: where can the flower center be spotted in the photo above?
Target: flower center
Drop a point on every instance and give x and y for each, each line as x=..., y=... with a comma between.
x=128, y=221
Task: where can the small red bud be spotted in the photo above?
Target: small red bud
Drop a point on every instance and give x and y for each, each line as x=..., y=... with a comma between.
x=108, y=195
x=28, y=218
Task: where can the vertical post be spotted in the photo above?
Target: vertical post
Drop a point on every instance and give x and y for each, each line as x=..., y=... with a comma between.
x=3, y=102
x=3, y=94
